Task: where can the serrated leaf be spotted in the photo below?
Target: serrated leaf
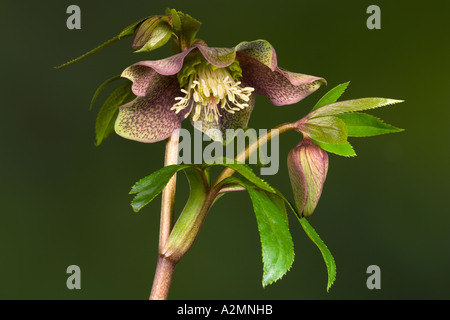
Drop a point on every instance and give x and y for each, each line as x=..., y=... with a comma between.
x=279, y=202
x=326, y=254
x=345, y=149
x=366, y=125
x=100, y=89
x=330, y=130
x=276, y=242
x=104, y=123
x=351, y=106
x=331, y=96
x=314, y=236
x=149, y=187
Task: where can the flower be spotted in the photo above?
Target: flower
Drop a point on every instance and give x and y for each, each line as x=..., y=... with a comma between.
x=215, y=87
x=308, y=166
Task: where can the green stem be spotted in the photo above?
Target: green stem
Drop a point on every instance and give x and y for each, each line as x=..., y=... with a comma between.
x=87, y=54
x=168, y=194
x=254, y=146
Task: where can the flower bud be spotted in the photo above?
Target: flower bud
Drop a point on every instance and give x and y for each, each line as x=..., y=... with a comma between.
x=308, y=166
x=151, y=34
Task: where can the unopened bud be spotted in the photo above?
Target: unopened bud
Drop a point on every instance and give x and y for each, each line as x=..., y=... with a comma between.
x=152, y=34
x=308, y=166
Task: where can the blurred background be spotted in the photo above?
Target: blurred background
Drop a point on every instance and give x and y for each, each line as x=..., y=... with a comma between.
x=65, y=202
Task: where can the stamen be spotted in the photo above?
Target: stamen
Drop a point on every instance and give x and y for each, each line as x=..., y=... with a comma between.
x=210, y=91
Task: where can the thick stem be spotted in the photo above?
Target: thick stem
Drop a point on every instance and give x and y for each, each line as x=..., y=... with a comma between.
x=163, y=278
x=164, y=268
x=168, y=194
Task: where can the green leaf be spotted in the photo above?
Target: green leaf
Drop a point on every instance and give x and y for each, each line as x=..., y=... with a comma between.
x=351, y=106
x=100, y=89
x=279, y=202
x=366, y=125
x=326, y=254
x=184, y=26
x=190, y=27
x=312, y=234
x=149, y=187
x=104, y=124
x=176, y=21
x=330, y=130
x=276, y=241
x=345, y=149
x=331, y=96
x=245, y=171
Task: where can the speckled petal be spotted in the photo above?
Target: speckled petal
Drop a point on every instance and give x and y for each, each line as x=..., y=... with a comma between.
x=149, y=119
x=168, y=66
x=220, y=57
x=281, y=87
x=238, y=120
x=142, y=73
x=141, y=76
x=258, y=61
x=260, y=50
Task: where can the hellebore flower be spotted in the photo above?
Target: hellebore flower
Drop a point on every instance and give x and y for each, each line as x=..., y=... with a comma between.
x=308, y=166
x=215, y=87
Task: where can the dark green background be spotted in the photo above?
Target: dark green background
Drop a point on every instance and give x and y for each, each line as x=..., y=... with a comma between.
x=65, y=201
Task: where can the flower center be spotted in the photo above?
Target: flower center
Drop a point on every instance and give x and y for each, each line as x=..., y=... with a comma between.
x=211, y=90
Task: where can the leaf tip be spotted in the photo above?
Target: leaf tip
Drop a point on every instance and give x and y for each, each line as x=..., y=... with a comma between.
x=394, y=101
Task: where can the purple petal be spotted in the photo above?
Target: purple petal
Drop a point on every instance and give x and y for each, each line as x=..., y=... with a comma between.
x=149, y=119
x=281, y=87
x=168, y=66
x=142, y=73
x=220, y=57
x=141, y=76
x=258, y=61
x=260, y=50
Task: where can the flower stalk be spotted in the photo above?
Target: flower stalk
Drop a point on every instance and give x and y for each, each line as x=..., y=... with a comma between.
x=163, y=279
x=168, y=194
x=245, y=154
